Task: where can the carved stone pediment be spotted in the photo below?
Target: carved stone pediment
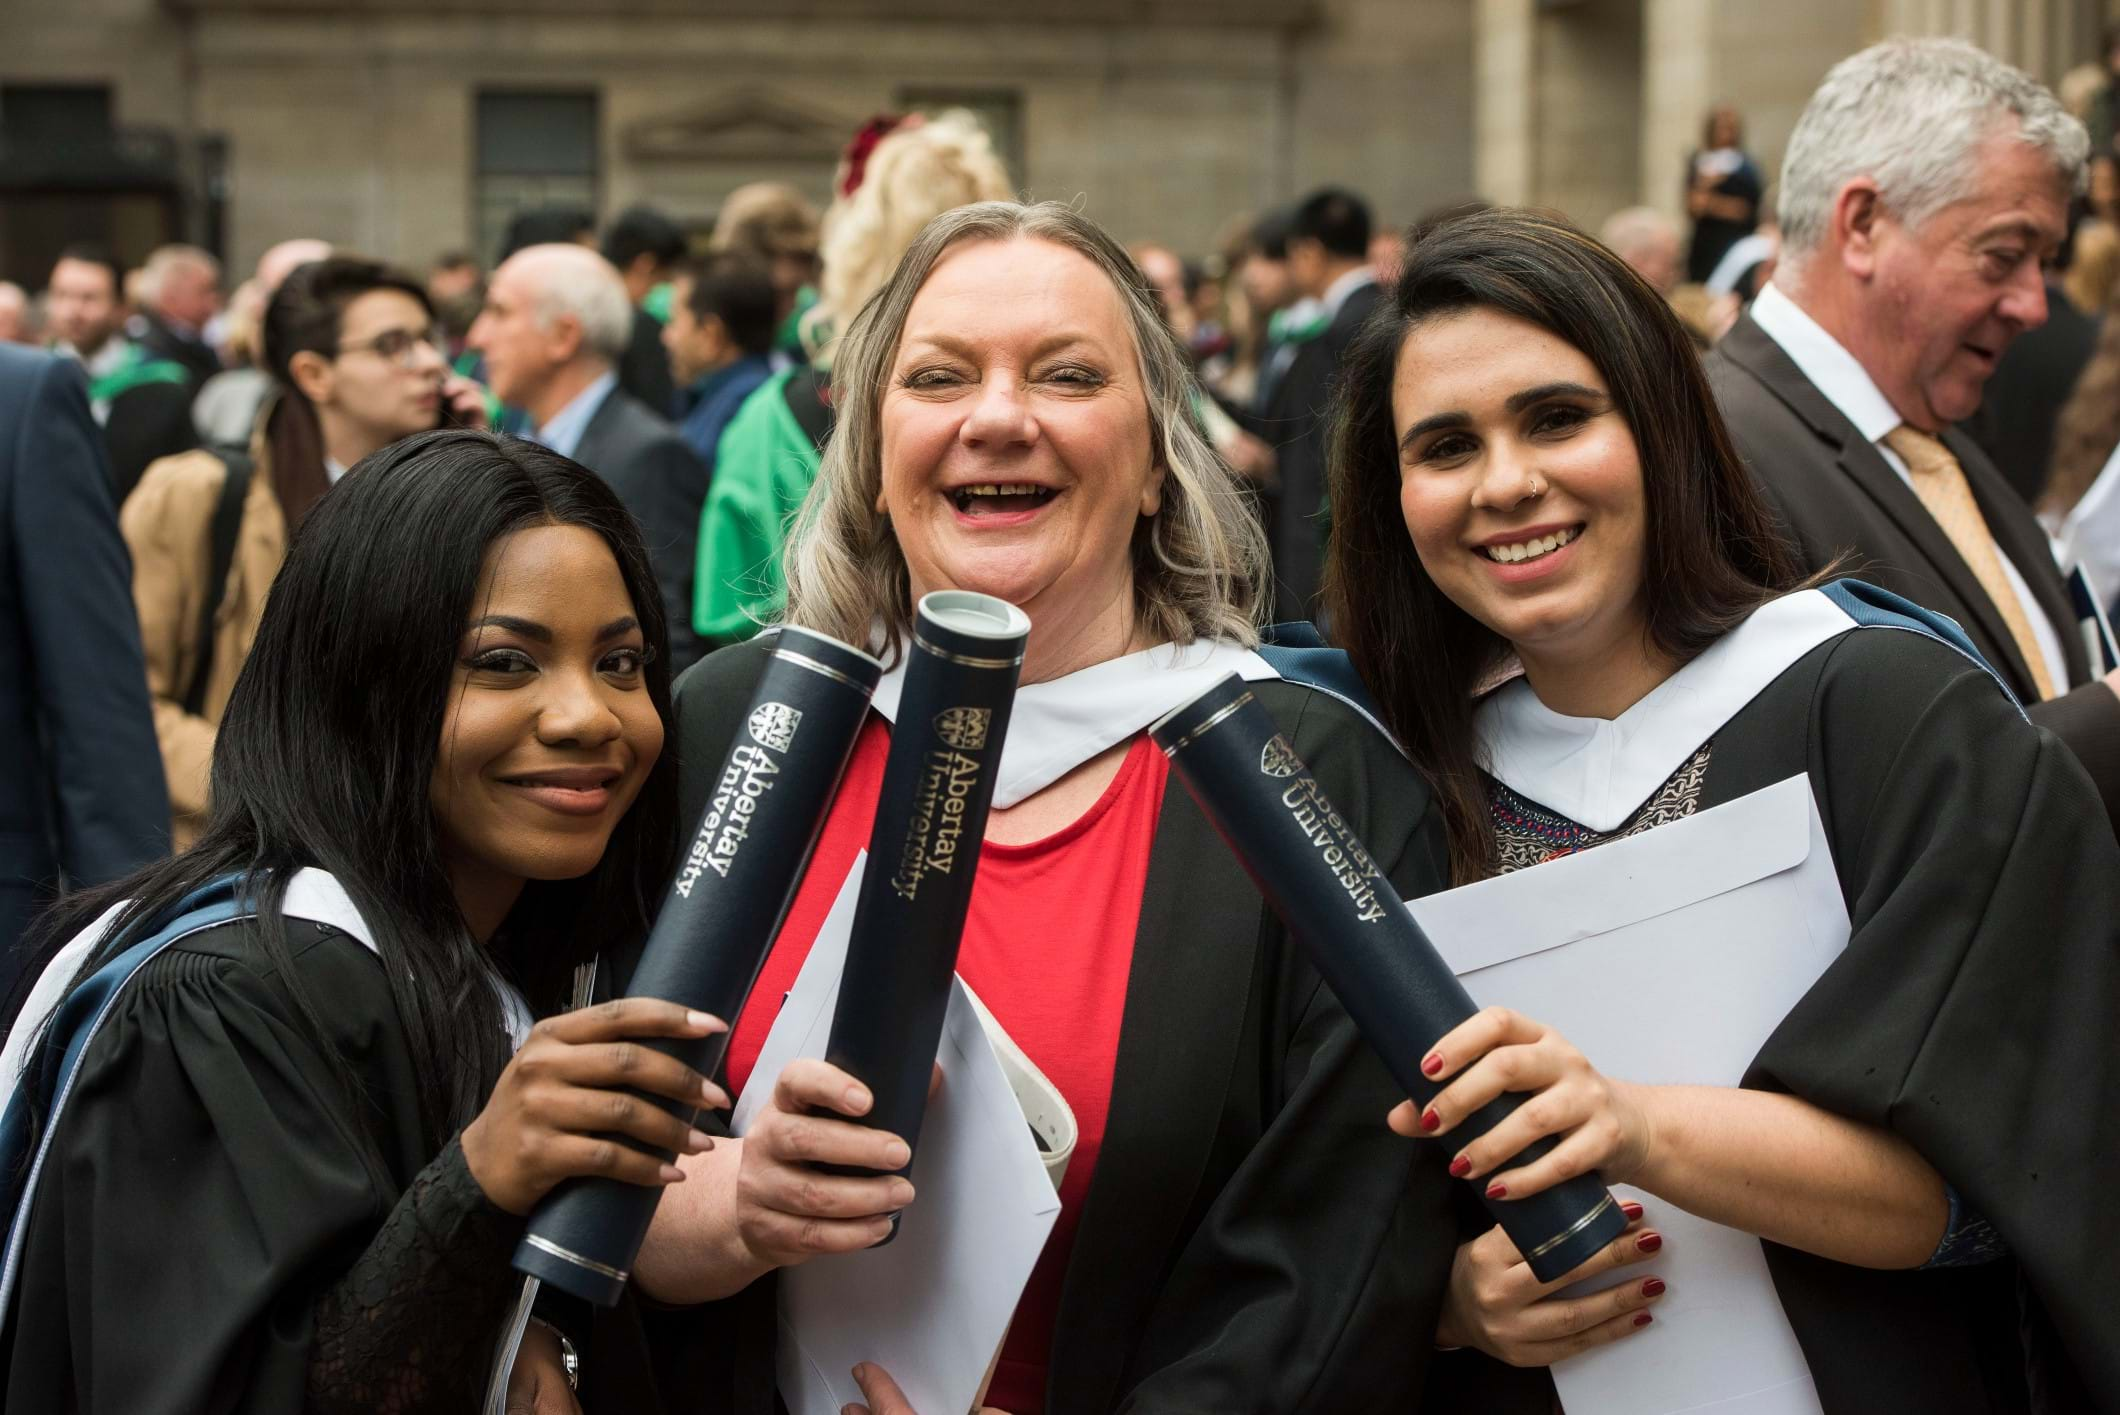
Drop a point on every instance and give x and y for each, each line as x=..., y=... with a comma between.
x=747, y=125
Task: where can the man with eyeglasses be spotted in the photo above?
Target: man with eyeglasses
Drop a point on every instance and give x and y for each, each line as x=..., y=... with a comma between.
x=355, y=360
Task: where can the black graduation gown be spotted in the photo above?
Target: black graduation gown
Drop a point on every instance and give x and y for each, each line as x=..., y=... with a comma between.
x=213, y=1175
x=1972, y=1013
x=1254, y=1238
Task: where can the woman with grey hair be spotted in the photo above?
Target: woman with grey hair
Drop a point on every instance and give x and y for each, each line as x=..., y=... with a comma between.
x=1237, y=1227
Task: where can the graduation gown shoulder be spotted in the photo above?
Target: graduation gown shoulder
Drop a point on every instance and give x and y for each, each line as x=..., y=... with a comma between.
x=1254, y=1237
x=1972, y=1014
x=211, y=1174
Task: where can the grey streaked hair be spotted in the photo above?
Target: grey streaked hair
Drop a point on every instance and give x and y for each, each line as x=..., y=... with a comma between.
x=1199, y=563
x=1908, y=113
x=165, y=261
x=574, y=282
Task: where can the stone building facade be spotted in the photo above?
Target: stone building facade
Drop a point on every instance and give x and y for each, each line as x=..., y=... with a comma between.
x=406, y=127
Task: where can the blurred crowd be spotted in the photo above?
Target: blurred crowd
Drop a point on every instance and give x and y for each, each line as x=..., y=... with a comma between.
x=690, y=366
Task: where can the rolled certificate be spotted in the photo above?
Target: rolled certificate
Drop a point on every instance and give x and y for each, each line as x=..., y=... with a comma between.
x=1324, y=884
x=717, y=921
x=960, y=680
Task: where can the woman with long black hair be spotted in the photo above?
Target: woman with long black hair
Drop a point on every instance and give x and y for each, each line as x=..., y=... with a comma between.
x=289, y=1168
x=1571, y=603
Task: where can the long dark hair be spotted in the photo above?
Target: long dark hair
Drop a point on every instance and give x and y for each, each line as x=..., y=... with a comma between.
x=307, y=314
x=1712, y=553
x=326, y=752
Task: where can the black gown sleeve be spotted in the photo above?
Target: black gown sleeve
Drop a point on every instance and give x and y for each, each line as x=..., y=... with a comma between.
x=211, y=1176
x=1314, y=1278
x=1972, y=1012
x=412, y=1324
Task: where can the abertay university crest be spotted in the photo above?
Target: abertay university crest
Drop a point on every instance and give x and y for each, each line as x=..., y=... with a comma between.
x=774, y=724
x=1277, y=758
x=962, y=727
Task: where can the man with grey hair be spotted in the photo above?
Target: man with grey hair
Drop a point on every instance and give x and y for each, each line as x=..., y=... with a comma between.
x=180, y=290
x=555, y=324
x=1922, y=190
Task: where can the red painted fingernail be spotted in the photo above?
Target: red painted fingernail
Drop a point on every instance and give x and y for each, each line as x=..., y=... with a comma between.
x=1460, y=1167
x=1431, y=1063
x=1648, y=1243
x=1429, y=1119
x=1496, y=1191
x=1631, y=1209
x=1642, y=1319
x=1654, y=1287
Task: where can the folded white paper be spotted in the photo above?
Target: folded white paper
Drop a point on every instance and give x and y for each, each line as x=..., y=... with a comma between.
x=931, y=1307
x=1669, y=958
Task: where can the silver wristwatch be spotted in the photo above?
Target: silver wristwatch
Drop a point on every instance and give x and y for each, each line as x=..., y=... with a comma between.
x=570, y=1361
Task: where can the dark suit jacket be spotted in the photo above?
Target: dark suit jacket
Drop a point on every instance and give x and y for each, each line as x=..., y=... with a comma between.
x=2037, y=372
x=165, y=341
x=147, y=422
x=644, y=369
x=663, y=484
x=1296, y=421
x=1836, y=495
x=1252, y=1238
x=82, y=797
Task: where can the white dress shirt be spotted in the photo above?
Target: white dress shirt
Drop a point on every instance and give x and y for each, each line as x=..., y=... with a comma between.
x=1847, y=385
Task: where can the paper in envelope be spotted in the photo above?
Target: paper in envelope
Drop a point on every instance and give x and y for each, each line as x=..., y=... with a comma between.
x=932, y=1306
x=1669, y=958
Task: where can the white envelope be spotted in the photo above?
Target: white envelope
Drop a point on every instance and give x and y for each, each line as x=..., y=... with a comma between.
x=1670, y=958
x=931, y=1306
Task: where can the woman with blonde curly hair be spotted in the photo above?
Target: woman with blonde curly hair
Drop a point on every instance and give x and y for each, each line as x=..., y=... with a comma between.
x=1237, y=1230
x=899, y=174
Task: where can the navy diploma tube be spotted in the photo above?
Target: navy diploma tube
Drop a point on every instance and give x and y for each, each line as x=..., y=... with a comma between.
x=717, y=922
x=1322, y=881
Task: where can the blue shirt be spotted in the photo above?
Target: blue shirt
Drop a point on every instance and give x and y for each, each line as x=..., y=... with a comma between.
x=715, y=399
x=564, y=432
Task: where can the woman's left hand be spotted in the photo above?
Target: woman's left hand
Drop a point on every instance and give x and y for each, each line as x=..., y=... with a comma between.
x=1602, y=1123
x=884, y=1397
x=465, y=401
x=537, y=1383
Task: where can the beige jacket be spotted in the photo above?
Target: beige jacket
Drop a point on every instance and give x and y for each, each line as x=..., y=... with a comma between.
x=168, y=525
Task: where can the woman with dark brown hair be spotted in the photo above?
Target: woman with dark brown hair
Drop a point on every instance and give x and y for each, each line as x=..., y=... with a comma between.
x=356, y=365
x=1556, y=576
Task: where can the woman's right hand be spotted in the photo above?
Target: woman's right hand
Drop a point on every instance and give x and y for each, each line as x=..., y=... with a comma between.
x=1494, y=1303
x=569, y=1090
x=787, y=1209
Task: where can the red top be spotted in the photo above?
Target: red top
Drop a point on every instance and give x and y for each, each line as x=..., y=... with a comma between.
x=1048, y=945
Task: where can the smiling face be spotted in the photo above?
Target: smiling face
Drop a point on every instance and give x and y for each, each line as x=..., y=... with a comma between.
x=549, y=730
x=1521, y=486
x=1942, y=300
x=1015, y=441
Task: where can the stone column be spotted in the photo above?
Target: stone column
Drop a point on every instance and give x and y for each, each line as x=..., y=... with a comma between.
x=1505, y=113
x=1679, y=82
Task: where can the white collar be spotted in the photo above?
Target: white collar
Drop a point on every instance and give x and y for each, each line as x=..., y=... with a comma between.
x=312, y=894
x=1597, y=771
x=1337, y=292
x=333, y=469
x=1826, y=362
x=1057, y=725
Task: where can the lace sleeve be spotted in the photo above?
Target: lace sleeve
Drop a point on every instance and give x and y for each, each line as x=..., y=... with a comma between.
x=410, y=1327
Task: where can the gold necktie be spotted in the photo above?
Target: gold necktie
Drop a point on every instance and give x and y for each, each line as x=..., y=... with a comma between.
x=1940, y=483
